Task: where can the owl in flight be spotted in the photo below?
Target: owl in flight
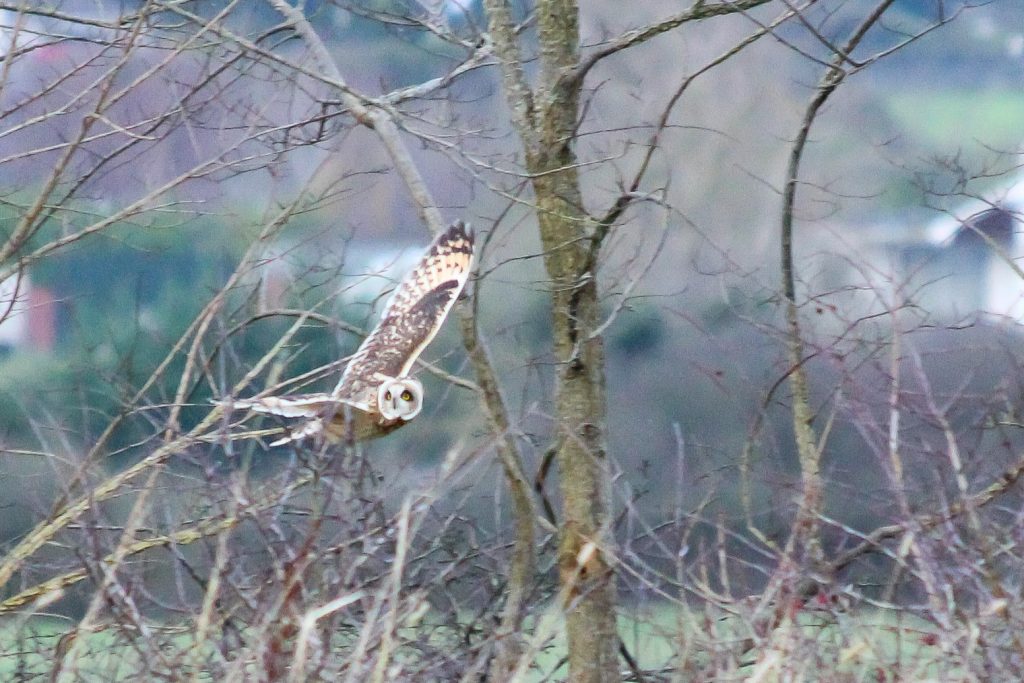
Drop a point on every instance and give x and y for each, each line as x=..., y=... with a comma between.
x=375, y=395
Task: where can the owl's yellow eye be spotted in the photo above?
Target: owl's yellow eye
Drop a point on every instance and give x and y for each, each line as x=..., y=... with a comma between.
x=406, y=395
x=387, y=396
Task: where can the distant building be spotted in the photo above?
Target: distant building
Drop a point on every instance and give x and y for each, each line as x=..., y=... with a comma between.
x=960, y=267
x=28, y=316
x=972, y=260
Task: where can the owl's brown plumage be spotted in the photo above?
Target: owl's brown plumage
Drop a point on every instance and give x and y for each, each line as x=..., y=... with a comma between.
x=375, y=395
x=411, y=317
x=326, y=417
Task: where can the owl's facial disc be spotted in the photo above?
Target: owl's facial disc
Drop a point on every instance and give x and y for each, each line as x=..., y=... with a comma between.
x=400, y=398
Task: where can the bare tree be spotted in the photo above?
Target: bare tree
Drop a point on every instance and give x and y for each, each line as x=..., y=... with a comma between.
x=577, y=140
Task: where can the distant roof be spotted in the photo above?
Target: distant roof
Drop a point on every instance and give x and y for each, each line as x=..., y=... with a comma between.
x=992, y=210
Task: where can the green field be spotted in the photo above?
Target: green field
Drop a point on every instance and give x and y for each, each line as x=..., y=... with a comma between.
x=960, y=118
x=854, y=646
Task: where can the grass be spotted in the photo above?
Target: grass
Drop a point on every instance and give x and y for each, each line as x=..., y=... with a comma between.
x=27, y=649
x=853, y=647
x=945, y=118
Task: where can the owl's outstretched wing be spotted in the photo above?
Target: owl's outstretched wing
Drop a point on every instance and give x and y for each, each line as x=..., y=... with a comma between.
x=409, y=322
x=326, y=418
x=316, y=408
x=301, y=405
x=412, y=316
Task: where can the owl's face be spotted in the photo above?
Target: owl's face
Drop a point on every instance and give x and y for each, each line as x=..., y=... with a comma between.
x=400, y=398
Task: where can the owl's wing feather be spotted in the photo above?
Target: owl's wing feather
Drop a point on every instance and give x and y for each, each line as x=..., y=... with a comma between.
x=411, y=317
x=409, y=322
x=301, y=405
x=309, y=428
x=318, y=409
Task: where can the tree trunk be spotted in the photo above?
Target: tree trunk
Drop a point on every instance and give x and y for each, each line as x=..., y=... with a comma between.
x=545, y=117
x=586, y=541
x=586, y=577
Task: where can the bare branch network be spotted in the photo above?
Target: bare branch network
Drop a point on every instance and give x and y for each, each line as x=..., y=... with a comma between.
x=724, y=385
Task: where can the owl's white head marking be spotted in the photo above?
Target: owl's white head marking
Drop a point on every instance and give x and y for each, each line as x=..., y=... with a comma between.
x=400, y=397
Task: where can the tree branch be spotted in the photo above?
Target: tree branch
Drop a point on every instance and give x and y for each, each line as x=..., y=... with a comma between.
x=699, y=10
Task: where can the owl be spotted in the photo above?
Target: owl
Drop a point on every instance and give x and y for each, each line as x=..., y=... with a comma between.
x=376, y=395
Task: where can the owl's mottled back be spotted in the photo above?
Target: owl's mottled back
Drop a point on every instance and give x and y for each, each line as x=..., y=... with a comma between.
x=411, y=317
x=375, y=395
